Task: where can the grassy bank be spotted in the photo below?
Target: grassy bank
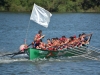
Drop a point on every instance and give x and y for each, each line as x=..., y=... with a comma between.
x=51, y=5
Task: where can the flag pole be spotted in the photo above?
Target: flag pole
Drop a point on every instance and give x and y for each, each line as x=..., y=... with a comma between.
x=25, y=41
x=27, y=33
x=40, y=16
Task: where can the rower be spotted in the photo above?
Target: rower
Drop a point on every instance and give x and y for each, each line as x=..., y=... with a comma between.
x=42, y=45
x=87, y=38
x=37, y=38
x=49, y=45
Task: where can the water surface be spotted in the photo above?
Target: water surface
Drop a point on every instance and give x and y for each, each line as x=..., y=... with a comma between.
x=13, y=28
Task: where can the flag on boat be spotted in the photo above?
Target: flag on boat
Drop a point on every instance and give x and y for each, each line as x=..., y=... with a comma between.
x=40, y=15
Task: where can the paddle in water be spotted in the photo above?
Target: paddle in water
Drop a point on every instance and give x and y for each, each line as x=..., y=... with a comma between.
x=22, y=49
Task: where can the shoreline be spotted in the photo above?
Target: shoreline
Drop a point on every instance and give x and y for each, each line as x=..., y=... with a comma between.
x=51, y=12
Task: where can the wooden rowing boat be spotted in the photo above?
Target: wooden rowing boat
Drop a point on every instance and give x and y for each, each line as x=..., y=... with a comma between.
x=39, y=53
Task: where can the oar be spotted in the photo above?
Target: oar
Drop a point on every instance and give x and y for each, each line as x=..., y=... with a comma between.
x=6, y=55
x=83, y=54
x=94, y=48
x=20, y=52
x=90, y=38
x=16, y=53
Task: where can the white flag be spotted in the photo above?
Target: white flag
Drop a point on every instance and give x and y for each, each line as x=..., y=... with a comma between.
x=40, y=15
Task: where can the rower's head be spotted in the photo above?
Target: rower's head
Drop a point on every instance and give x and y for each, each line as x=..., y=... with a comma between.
x=52, y=40
x=80, y=35
x=83, y=34
x=40, y=32
x=71, y=38
x=48, y=40
x=63, y=36
x=74, y=36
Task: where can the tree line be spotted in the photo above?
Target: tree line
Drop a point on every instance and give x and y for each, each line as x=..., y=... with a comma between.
x=51, y=5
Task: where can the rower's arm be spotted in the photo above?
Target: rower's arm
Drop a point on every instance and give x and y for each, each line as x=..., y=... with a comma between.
x=36, y=39
x=41, y=37
x=88, y=34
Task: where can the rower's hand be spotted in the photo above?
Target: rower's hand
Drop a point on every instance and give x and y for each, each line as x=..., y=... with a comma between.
x=43, y=36
x=32, y=43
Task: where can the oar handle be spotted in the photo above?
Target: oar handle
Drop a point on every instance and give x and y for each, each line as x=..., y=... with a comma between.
x=16, y=53
x=90, y=37
x=29, y=44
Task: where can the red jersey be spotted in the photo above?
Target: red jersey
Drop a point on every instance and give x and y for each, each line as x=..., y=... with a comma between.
x=50, y=48
x=37, y=40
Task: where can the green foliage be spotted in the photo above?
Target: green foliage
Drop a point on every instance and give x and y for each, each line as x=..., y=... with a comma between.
x=62, y=8
x=51, y=5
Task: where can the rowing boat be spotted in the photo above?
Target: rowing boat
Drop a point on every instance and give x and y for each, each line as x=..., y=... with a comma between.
x=44, y=21
x=39, y=53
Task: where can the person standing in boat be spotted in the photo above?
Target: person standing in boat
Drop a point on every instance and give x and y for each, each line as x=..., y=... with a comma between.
x=38, y=38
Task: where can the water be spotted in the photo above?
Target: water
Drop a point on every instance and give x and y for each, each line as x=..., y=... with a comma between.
x=13, y=27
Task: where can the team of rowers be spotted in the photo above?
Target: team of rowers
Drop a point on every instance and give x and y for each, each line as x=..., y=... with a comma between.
x=60, y=43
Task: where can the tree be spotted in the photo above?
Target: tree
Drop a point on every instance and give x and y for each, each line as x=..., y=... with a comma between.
x=51, y=5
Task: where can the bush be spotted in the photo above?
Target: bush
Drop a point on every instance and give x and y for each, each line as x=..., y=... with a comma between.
x=62, y=8
x=2, y=8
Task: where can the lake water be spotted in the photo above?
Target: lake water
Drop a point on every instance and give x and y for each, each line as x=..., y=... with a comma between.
x=13, y=28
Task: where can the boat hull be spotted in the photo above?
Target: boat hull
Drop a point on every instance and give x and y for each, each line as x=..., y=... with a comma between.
x=38, y=53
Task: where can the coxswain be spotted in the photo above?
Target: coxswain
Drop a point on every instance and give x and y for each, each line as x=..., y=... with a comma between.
x=37, y=38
